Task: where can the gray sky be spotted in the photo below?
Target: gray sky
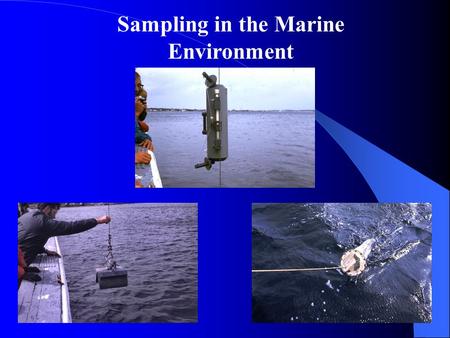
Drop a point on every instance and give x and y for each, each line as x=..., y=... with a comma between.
x=248, y=88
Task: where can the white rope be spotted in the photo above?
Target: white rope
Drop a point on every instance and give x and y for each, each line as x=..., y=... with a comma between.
x=220, y=174
x=299, y=270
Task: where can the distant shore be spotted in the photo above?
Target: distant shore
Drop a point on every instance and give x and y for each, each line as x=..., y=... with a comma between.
x=64, y=205
x=68, y=205
x=230, y=110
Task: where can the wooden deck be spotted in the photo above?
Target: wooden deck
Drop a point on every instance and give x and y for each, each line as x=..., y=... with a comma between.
x=46, y=301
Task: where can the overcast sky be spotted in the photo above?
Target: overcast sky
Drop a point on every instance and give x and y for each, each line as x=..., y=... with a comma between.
x=248, y=88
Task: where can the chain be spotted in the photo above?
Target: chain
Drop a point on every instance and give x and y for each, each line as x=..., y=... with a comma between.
x=110, y=262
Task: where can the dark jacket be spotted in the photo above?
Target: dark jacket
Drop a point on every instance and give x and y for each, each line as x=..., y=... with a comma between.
x=35, y=228
x=139, y=135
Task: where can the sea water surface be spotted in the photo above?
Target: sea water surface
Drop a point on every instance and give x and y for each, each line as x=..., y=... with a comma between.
x=266, y=149
x=155, y=243
x=395, y=287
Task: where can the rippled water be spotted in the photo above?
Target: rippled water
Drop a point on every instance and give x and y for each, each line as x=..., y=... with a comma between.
x=156, y=244
x=266, y=149
x=396, y=286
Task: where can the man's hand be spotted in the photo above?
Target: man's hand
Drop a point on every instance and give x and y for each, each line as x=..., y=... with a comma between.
x=147, y=144
x=142, y=158
x=103, y=219
x=52, y=253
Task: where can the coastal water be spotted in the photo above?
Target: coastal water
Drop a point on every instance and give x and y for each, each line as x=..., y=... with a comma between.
x=395, y=287
x=266, y=149
x=155, y=243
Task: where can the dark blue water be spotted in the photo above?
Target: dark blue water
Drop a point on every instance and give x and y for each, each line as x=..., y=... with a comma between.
x=266, y=149
x=396, y=286
x=156, y=244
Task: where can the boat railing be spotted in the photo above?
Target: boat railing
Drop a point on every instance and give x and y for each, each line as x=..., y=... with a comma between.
x=66, y=315
x=155, y=171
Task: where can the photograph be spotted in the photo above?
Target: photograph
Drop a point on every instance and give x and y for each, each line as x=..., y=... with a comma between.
x=107, y=263
x=341, y=263
x=225, y=127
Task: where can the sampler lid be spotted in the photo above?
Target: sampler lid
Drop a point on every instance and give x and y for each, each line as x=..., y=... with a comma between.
x=353, y=262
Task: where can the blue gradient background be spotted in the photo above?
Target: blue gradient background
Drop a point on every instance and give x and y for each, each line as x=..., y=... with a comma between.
x=66, y=98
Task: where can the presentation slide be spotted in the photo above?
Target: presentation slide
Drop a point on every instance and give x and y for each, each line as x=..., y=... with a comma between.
x=291, y=168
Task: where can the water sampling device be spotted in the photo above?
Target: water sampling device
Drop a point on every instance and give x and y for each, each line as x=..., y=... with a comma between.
x=215, y=122
x=112, y=275
x=353, y=262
